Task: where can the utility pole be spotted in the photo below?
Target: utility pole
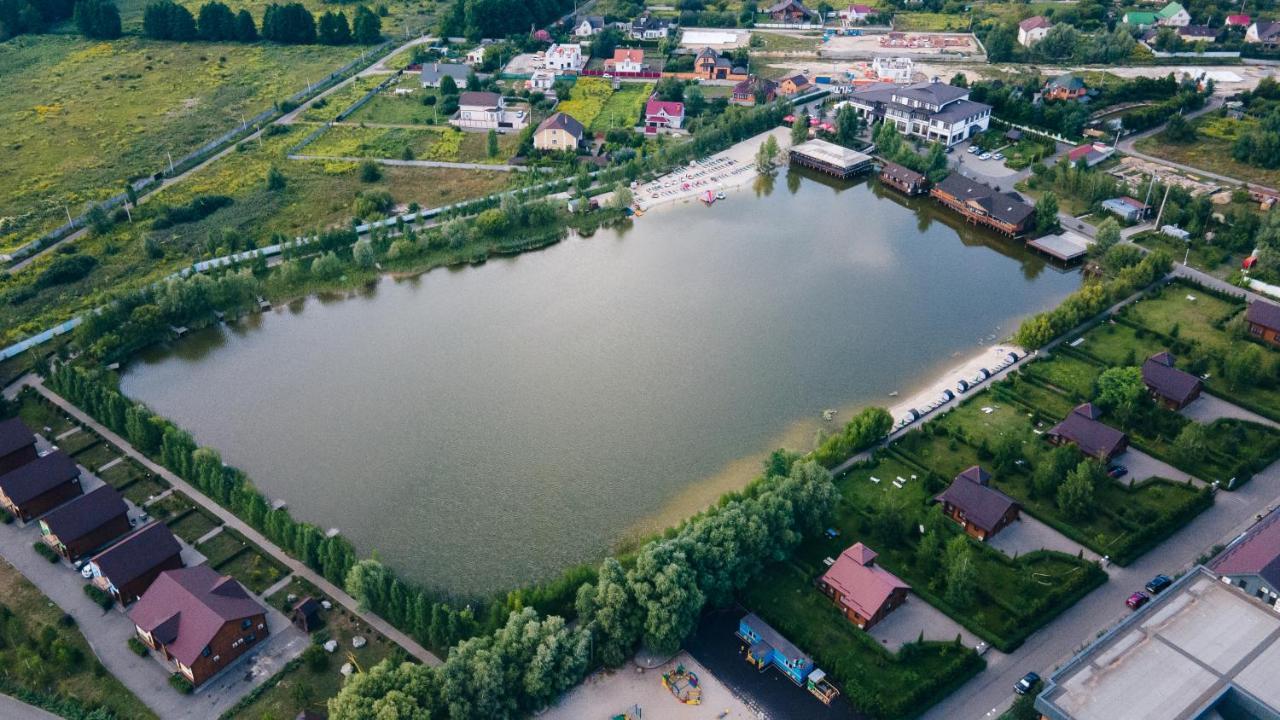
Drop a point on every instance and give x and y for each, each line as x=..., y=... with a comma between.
x=170, y=161
x=70, y=222
x=1162, y=202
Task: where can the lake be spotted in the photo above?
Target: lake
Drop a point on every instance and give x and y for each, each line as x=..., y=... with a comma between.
x=488, y=426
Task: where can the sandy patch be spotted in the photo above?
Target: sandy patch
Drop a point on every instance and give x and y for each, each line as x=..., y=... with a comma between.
x=606, y=694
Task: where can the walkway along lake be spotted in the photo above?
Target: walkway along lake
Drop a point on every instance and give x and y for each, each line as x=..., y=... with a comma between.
x=485, y=427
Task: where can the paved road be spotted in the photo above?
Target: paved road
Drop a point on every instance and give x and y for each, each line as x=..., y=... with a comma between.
x=991, y=692
x=231, y=520
x=14, y=709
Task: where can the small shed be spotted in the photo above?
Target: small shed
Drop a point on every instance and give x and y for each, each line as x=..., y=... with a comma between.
x=1014, y=135
x=305, y=615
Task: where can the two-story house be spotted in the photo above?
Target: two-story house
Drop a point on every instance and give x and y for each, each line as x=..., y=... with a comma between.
x=1032, y=30
x=125, y=570
x=39, y=486
x=560, y=132
x=933, y=111
x=17, y=445
x=86, y=523
x=487, y=111
x=626, y=60
x=565, y=58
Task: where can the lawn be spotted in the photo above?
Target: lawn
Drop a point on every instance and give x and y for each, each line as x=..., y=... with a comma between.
x=1186, y=313
x=298, y=587
x=931, y=22
x=394, y=143
x=317, y=195
x=587, y=98
x=97, y=456
x=222, y=546
x=328, y=107
x=142, y=490
x=43, y=656
x=1211, y=152
x=253, y=568
x=77, y=441
x=82, y=116
x=121, y=474
x=1065, y=372
x=1203, y=256
x=879, y=683
x=193, y=525
x=623, y=108
x=39, y=414
x=388, y=108
x=777, y=42
x=170, y=506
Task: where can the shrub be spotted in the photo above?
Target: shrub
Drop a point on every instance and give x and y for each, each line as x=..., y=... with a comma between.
x=370, y=172
x=198, y=209
x=99, y=596
x=66, y=269
x=5, y=517
x=46, y=552
x=181, y=684
x=316, y=658
x=137, y=646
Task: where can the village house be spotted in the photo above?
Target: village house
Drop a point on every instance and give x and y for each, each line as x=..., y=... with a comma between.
x=648, y=27
x=17, y=445
x=662, y=115
x=855, y=15
x=86, y=523
x=1263, y=319
x=125, y=570
x=1064, y=87
x=1173, y=15
x=1266, y=34
x=487, y=111
x=793, y=85
x=754, y=89
x=566, y=58
x=1083, y=429
x=711, y=65
x=433, y=73
x=1127, y=208
x=1197, y=33
x=39, y=486
x=1139, y=19
x=1032, y=30
x=626, y=60
x=903, y=179
x=899, y=70
x=977, y=507
x=1252, y=562
x=790, y=12
x=476, y=55
x=1238, y=21
x=590, y=26
x=1171, y=387
x=1090, y=153
x=541, y=81
x=559, y=132
x=200, y=620
x=1004, y=212
x=930, y=110
x=863, y=591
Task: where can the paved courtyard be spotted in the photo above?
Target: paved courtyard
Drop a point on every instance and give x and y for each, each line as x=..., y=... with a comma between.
x=914, y=617
x=1143, y=467
x=1209, y=408
x=1029, y=534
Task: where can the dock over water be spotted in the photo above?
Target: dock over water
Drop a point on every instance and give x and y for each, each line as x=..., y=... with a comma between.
x=1066, y=247
x=830, y=158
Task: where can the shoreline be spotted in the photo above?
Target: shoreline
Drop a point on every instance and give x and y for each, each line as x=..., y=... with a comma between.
x=731, y=168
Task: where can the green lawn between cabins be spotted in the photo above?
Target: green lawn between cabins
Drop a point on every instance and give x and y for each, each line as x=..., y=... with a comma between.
x=192, y=525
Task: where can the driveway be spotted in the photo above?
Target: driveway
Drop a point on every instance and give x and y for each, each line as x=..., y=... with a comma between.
x=914, y=617
x=1143, y=467
x=1029, y=534
x=13, y=709
x=1209, y=408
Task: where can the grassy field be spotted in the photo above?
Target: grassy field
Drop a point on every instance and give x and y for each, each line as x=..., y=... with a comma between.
x=1211, y=151
x=931, y=22
x=81, y=117
x=388, y=108
x=426, y=143
x=1203, y=256
x=623, y=108
x=253, y=568
x=193, y=526
x=121, y=474
x=317, y=195
x=414, y=14
x=97, y=456
x=39, y=414
x=328, y=107
x=34, y=639
x=777, y=42
x=142, y=490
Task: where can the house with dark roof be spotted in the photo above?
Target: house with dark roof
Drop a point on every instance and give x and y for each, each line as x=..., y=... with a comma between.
x=863, y=591
x=488, y=111
x=559, y=132
x=711, y=65
x=1064, y=87
x=1252, y=561
x=17, y=445
x=933, y=111
x=1263, y=319
x=1171, y=387
x=1127, y=208
x=1004, y=212
x=86, y=523
x=977, y=507
x=1198, y=33
x=589, y=26
x=305, y=614
x=754, y=89
x=789, y=11
x=39, y=486
x=200, y=620
x=125, y=570
x=647, y=27
x=433, y=73
x=903, y=179
x=1083, y=428
x=793, y=84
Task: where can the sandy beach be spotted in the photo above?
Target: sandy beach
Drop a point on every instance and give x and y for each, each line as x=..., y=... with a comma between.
x=606, y=694
x=996, y=360
x=731, y=168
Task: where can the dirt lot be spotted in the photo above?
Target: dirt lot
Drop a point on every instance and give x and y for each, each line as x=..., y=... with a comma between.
x=603, y=695
x=917, y=44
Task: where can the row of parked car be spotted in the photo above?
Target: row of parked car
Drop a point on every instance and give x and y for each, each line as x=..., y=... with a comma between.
x=975, y=150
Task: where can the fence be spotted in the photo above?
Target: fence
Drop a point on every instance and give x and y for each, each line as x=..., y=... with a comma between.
x=198, y=155
x=645, y=74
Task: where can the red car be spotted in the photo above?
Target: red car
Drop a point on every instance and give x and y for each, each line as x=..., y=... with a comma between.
x=1137, y=600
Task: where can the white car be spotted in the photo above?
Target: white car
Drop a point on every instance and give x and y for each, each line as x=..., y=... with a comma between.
x=973, y=149
x=86, y=572
x=998, y=156
x=984, y=156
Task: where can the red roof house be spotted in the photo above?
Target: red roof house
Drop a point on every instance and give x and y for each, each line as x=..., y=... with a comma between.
x=667, y=114
x=1239, y=21
x=862, y=590
x=199, y=619
x=1252, y=561
x=626, y=60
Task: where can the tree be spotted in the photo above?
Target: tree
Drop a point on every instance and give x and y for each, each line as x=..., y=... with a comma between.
x=1047, y=213
x=275, y=179
x=492, y=144
x=167, y=20
x=1121, y=390
x=448, y=86
x=363, y=253
x=1076, y=494
x=1107, y=237
x=216, y=22
x=367, y=27
x=800, y=129
x=936, y=162
x=1241, y=368
x=694, y=101
x=332, y=29
x=890, y=521
x=848, y=126
x=767, y=155
x=929, y=553
x=246, y=31
x=1052, y=470
x=1191, y=444
x=1179, y=131
x=666, y=591
x=622, y=198
x=289, y=24
x=962, y=576
x=97, y=19
x=610, y=611
x=370, y=172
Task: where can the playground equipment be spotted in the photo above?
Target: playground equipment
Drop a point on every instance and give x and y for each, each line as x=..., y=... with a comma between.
x=635, y=713
x=683, y=684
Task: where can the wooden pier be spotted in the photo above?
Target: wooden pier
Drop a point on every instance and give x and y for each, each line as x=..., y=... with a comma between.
x=829, y=158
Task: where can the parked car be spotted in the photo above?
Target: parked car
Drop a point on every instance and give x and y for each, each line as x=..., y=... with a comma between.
x=1028, y=683
x=1158, y=584
x=86, y=572
x=997, y=156
x=1137, y=600
x=973, y=149
x=1117, y=471
x=984, y=156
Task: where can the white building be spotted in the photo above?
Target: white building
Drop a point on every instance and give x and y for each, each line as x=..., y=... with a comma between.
x=541, y=81
x=855, y=15
x=476, y=56
x=647, y=27
x=567, y=58
x=931, y=110
x=901, y=70
x=487, y=111
x=590, y=26
x=1032, y=30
